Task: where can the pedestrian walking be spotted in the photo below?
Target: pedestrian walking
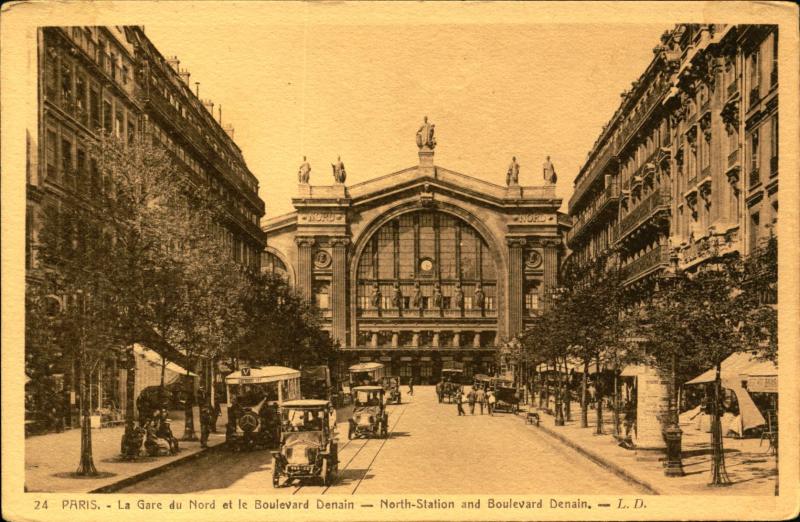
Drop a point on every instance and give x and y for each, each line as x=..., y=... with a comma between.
x=471, y=400
x=411, y=386
x=459, y=404
x=480, y=398
x=206, y=413
x=440, y=391
x=491, y=400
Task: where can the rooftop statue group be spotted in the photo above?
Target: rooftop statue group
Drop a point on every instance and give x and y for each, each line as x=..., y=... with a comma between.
x=426, y=140
x=304, y=173
x=548, y=172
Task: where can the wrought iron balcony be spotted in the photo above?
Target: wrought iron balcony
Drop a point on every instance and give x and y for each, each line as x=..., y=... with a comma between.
x=648, y=207
x=733, y=88
x=648, y=262
x=754, y=178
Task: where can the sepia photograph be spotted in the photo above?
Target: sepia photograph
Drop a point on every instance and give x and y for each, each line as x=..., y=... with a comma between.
x=417, y=261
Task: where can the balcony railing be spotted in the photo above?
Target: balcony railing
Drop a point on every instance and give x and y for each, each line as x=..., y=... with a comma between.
x=754, y=178
x=733, y=158
x=733, y=87
x=657, y=257
x=652, y=203
x=754, y=96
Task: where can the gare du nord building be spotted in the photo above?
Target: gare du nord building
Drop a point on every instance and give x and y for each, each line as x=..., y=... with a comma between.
x=420, y=269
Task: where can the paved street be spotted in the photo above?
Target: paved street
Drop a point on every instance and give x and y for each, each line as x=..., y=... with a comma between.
x=430, y=451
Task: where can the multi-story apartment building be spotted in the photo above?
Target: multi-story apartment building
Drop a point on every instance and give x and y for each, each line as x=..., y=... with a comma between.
x=94, y=80
x=686, y=169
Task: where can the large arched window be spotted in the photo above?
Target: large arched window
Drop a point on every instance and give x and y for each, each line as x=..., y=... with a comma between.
x=427, y=256
x=274, y=265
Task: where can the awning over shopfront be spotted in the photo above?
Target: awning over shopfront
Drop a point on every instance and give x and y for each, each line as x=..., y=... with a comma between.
x=737, y=368
x=153, y=359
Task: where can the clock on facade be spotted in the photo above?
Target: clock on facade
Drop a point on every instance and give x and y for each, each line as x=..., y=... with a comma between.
x=426, y=265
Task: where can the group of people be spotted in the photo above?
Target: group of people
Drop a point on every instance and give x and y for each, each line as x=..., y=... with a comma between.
x=475, y=396
x=158, y=435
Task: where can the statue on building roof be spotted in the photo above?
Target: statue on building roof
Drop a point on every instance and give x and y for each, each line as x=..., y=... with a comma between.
x=304, y=173
x=549, y=172
x=339, y=174
x=425, y=135
x=512, y=176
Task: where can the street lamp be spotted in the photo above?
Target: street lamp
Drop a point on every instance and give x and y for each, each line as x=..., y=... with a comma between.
x=673, y=466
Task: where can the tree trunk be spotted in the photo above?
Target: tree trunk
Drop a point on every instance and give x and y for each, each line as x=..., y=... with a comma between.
x=188, y=425
x=559, y=413
x=616, y=404
x=719, y=475
x=567, y=396
x=129, y=449
x=584, y=398
x=86, y=465
x=598, y=396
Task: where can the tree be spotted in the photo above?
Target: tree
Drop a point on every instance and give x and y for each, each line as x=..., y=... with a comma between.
x=285, y=328
x=84, y=323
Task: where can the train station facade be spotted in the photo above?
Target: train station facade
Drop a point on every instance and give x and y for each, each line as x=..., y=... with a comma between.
x=421, y=269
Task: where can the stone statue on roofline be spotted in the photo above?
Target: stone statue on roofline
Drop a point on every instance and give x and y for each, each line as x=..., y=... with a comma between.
x=512, y=175
x=304, y=174
x=426, y=139
x=339, y=174
x=549, y=172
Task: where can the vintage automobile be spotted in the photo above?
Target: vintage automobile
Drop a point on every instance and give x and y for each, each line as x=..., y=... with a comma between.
x=369, y=413
x=483, y=381
x=392, y=387
x=254, y=395
x=315, y=383
x=308, y=446
x=366, y=374
x=507, y=398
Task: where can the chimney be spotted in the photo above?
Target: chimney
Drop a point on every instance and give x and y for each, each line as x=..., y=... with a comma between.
x=185, y=74
x=174, y=63
x=228, y=128
x=209, y=105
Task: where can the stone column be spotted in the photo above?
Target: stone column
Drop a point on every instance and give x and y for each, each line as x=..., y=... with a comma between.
x=374, y=339
x=435, y=342
x=305, y=266
x=339, y=289
x=415, y=340
x=550, y=265
x=456, y=339
x=476, y=341
x=515, y=246
x=395, y=339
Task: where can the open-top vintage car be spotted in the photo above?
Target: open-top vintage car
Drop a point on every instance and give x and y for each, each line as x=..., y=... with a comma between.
x=254, y=395
x=308, y=447
x=369, y=413
x=392, y=387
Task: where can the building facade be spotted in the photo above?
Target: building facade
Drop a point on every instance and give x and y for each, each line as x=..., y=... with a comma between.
x=112, y=80
x=686, y=170
x=421, y=269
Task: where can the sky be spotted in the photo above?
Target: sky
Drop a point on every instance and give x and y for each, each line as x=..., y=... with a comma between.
x=360, y=91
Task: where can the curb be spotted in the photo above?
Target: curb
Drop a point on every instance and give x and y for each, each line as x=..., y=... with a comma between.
x=602, y=461
x=144, y=475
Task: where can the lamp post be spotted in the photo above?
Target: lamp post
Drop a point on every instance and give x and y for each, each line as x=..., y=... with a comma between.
x=673, y=466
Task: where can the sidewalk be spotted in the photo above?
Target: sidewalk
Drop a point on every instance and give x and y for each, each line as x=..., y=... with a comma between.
x=751, y=468
x=51, y=458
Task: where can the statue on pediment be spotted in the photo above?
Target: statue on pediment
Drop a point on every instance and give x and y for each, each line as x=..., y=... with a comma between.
x=512, y=175
x=304, y=173
x=339, y=174
x=549, y=172
x=426, y=138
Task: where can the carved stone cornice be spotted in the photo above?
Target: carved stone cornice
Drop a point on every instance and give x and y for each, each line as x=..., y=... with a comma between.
x=551, y=243
x=305, y=241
